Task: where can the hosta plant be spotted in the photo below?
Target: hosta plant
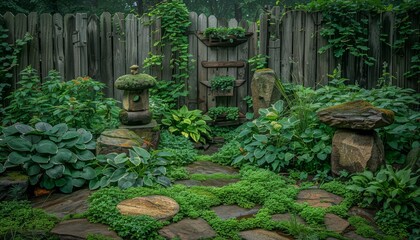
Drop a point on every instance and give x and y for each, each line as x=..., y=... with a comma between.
x=139, y=168
x=52, y=156
x=190, y=124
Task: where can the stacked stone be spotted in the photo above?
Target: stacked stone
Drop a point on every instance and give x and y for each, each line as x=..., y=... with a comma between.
x=356, y=146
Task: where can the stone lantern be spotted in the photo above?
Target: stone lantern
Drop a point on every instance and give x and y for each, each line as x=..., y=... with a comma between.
x=136, y=97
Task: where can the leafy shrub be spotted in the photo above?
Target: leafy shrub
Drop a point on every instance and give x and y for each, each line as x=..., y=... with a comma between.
x=258, y=61
x=139, y=169
x=20, y=221
x=190, y=124
x=164, y=97
x=223, y=33
x=182, y=150
x=222, y=83
x=53, y=156
x=79, y=103
x=231, y=113
x=227, y=153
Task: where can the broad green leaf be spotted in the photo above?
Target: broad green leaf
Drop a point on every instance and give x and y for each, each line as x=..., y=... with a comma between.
x=43, y=127
x=47, y=146
x=120, y=158
x=118, y=174
x=134, y=158
x=59, y=129
x=70, y=135
x=85, y=136
x=259, y=153
x=40, y=159
x=164, y=181
x=142, y=152
x=88, y=173
x=85, y=155
x=46, y=165
x=33, y=170
x=68, y=187
x=260, y=138
x=147, y=180
x=2, y=168
x=19, y=144
x=47, y=183
x=278, y=106
x=18, y=158
x=187, y=121
x=64, y=155
x=78, y=182
x=33, y=138
x=55, y=172
x=33, y=180
x=11, y=130
x=94, y=184
x=24, y=129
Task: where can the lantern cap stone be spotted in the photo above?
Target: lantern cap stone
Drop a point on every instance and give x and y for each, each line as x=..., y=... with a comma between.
x=133, y=82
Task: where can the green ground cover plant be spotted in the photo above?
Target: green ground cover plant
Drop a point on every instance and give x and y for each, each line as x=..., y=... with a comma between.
x=181, y=148
x=230, y=113
x=80, y=103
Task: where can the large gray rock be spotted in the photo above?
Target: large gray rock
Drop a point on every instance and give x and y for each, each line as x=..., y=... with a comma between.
x=78, y=229
x=188, y=229
x=158, y=207
x=356, y=151
x=356, y=115
x=263, y=89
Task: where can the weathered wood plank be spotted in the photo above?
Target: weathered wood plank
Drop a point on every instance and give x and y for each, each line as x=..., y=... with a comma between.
x=9, y=20
x=131, y=40
x=212, y=72
x=263, y=34
x=46, y=32
x=298, y=47
x=94, y=48
x=309, y=75
x=192, y=83
x=223, y=64
x=33, y=46
x=143, y=41
x=201, y=71
x=322, y=58
x=106, y=55
x=59, y=58
x=414, y=81
x=69, y=28
x=21, y=26
x=387, y=29
x=80, y=45
x=374, y=71
x=232, y=55
x=243, y=55
x=118, y=33
x=286, y=47
x=222, y=55
x=156, y=50
x=274, y=44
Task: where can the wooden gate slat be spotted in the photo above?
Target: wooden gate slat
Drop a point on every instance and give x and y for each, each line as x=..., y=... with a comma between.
x=59, y=58
x=202, y=72
x=94, y=48
x=69, y=28
x=212, y=72
x=46, y=31
x=118, y=32
x=80, y=45
x=21, y=26
x=192, y=83
x=107, y=76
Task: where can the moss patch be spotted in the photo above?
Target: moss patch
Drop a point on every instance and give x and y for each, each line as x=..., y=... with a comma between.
x=135, y=82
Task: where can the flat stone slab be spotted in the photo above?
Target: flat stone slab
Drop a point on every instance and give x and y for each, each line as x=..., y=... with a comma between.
x=60, y=204
x=318, y=198
x=367, y=214
x=261, y=234
x=354, y=236
x=234, y=211
x=206, y=167
x=77, y=229
x=285, y=217
x=188, y=229
x=157, y=207
x=335, y=223
x=207, y=183
x=117, y=140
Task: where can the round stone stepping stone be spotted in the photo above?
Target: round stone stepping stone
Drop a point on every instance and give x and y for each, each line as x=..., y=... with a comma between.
x=335, y=223
x=285, y=217
x=234, y=211
x=318, y=198
x=261, y=234
x=188, y=229
x=60, y=204
x=207, y=167
x=77, y=229
x=157, y=207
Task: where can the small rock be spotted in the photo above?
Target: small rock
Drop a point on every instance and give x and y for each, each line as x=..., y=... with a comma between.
x=207, y=167
x=188, y=229
x=356, y=151
x=233, y=211
x=261, y=234
x=285, y=217
x=117, y=140
x=78, y=229
x=158, y=207
x=356, y=115
x=264, y=91
x=13, y=186
x=318, y=198
x=335, y=223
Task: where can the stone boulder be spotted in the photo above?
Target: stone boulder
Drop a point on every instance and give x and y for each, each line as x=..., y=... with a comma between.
x=157, y=207
x=264, y=91
x=356, y=151
x=188, y=229
x=359, y=115
x=117, y=140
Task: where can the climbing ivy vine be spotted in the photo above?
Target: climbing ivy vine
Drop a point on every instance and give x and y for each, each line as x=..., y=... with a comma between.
x=175, y=21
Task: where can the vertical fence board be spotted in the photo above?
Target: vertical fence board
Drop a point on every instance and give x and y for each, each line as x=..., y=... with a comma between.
x=94, y=48
x=107, y=76
x=46, y=31
x=156, y=50
x=374, y=45
x=211, y=56
x=309, y=76
x=232, y=55
x=9, y=20
x=80, y=45
x=21, y=26
x=322, y=58
x=118, y=34
x=263, y=37
x=59, y=58
x=131, y=40
x=414, y=81
x=193, y=83
x=69, y=28
x=274, y=44
x=386, y=45
x=243, y=51
x=33, y=46
x=222, y=55
x=298, y=47
x=202, y=72
x=286, y=47
x=143, y=41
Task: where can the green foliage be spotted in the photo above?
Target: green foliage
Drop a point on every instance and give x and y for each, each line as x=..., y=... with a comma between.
x=227, y=153
x=230, y=113
x=175, y=21
x=182, y=150
x=313, y=215
x=190, y=124
x=398, y=225
x=224, y=33
x=91, y=236
x=203, y=177
x=222, y=83
x=396, y=190
x=363, y=227
x=177, y=173
x=259, y=61
x=139, y=169
x=53, y=156
x=79, y=103
x=164, y=97
x=22, y=222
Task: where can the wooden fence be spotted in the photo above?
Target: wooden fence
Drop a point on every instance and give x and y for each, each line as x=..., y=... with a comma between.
x=292, y=40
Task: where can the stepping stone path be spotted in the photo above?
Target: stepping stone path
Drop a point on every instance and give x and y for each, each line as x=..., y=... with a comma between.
x=233, y=211
x=157, y=207
x=335, y=223
x=76, y=229
x=261, y=234
x=318, y=198
x=286, y=217
x=188, y=229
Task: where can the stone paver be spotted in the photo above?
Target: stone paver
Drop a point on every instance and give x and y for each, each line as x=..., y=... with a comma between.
x=77, y=229
x=158, y=207
x=233, y=211
x=335, y=223
x=188, y=229
x=207, y=183
x=206, y=167
x=60, y=204
x=286, y=217
x=261, y=234
x=318, y=198
x=354, y=236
